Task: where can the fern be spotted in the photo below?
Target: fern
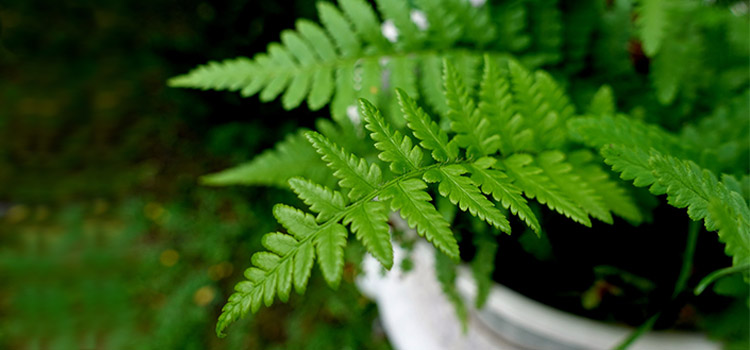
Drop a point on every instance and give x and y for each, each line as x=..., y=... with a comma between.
x=455, y=123
x=502, y=189
x=647, y=155
x=536, y=184
x=291, y=157
x=465, y=165
x=345, y=58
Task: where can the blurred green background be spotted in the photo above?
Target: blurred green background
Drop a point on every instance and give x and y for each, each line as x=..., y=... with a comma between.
x=106, y=239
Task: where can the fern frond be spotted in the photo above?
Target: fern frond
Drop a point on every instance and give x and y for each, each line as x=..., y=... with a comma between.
x=741, y=186
x=329, y=246
x=537, y=184
x=291, y=157
x=365, y=21
x=394, y=147
x=430, y=134
x=220, y=76
x=554, y=109
x=442, y=26
x=542, y=105
x=370, y=224
x=288, y=261
x=400, y=13
x=672, y=69
x=496, y=103
x=597, y=132
x=568, y=187
x=339, y=28
x=320, y=199
x=687, y=185
x=553, y=164
x=733, y=223
x=432, y=84
x=496, y=183
x=614, y=196
x=464, y=193
x=632, y=164
x=354, y=173
x=413, y=203
x=471, y=127
x=343, y=60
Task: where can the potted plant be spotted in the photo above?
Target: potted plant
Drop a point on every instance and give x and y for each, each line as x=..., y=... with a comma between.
x=500, y=110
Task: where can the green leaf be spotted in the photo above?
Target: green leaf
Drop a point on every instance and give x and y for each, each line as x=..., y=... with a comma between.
x=632, y=164
x=322, y=88
x=353, y=172
x=553, y=164
x=395, y=148
x=399, y=12
x=272, y=274
x=427, y=131
x=500, y=186
x=466, y=121
x=687, y=185
x=339, y=28
x=303, y=263
x=464, y=193
x=536, y=184
x=291, y=157
x=297, y=90
x=301, y=50
x=369, y=222
x=312, y=33
x=322, y=200
x=496, y=103
x=279, y=243
x=329, y=244
x=413, y=203
x=297, y=222
x=614, y=196
x=432, y=84
x=232, y=74
x=365, y=21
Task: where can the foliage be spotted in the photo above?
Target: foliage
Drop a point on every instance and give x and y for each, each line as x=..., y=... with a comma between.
x=320, y=64
x=491, y=142
x=456, y=111
x=465, y=149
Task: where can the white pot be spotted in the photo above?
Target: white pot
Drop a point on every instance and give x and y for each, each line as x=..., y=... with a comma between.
x=416, y=315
